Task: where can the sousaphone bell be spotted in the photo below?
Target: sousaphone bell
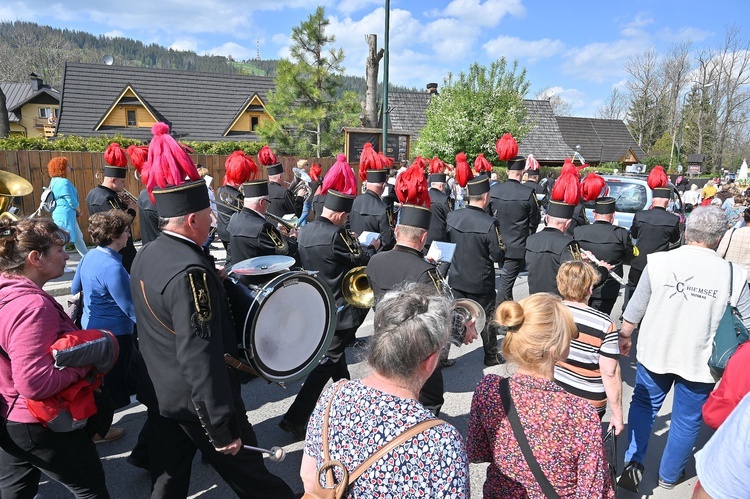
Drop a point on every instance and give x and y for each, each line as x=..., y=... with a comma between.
x=11, y=186
x=356, y=288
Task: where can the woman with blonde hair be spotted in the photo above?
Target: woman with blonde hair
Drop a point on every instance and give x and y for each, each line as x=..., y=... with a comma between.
x=67, y=207
x=561, y=431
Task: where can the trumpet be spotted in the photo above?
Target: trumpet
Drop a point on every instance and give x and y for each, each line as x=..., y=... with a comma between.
x=288, y=225
x=127, y=197
x=230, y=201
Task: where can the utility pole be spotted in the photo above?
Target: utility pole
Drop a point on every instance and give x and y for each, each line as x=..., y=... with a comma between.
x=386, y=44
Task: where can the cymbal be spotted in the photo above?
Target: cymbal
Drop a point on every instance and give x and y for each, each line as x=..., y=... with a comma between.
x=261, y=265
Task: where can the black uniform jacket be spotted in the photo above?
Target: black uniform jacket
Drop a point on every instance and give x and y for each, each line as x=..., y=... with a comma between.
x=184, y=329
x=402, y=264
x=224, y=213
x=655, y=230
x=478, y=246
x=370, y=213
x=252, y=235
x=545, y=251
x=102, y=198
x=283, y=201
x=515, y=207
x=579, y=219
x=318, y=202
x=148, y=217
x=332, y=252
x=609, y=243
x=440, y=205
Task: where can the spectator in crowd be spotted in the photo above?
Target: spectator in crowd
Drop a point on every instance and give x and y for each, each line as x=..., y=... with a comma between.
x=203, y=172
x=562, y=429
x=592, y=369
x=411, y=327
x=674, y=342
x=107, y=303
x=723, y=464
x=735, y=384
x=693, y=196
x=32, y=252
x=708, y=192
x=67, y=207
x=735, y=245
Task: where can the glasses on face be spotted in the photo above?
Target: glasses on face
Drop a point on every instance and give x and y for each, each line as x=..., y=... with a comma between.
x=266, y=200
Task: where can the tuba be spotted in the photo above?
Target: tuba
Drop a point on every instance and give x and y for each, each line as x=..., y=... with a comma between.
x=11, y=185
x=356, y=288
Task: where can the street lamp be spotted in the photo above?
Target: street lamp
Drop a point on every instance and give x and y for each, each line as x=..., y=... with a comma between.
x=682, y=119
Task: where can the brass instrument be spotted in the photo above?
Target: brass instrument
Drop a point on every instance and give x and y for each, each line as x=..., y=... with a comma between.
x=356, y=288
x=125, y=196
x=301, y=187
x=11, y=185
x=230, y=201
x=286, y=224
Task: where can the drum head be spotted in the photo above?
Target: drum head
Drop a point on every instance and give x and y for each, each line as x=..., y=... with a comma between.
x=289, y=327
x=261, y=265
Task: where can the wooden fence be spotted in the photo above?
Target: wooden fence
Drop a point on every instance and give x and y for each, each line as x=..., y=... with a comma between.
x=32, y=165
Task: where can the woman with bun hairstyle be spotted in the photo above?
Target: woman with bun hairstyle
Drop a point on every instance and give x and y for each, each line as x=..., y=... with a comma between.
x=67, y=207
x=562, y=430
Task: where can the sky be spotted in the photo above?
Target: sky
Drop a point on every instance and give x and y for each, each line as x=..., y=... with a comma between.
x=576, y=49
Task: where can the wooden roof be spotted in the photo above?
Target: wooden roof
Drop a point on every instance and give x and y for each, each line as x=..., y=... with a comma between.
x=197, y=106
x=600, y=140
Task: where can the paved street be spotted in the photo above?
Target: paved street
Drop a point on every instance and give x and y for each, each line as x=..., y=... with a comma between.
x=266, y=403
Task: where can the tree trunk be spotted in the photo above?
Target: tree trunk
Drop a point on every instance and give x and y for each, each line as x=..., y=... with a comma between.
x=4, y=122
x=371, y=72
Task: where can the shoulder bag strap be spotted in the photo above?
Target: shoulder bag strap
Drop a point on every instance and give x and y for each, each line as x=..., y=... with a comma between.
x=731, y=283
x=392, y=444
x=729, y=243
x=515, y=424
x=324, y=437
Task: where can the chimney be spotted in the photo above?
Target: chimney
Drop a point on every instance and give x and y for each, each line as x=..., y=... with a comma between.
x=432, y=89
x=36, y=82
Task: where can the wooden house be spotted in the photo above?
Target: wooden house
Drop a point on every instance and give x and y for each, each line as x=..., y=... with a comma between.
x=32, y=107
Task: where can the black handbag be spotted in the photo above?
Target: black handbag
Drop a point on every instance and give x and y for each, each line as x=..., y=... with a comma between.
x=528, y=454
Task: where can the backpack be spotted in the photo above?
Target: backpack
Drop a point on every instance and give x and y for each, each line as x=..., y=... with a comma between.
x=47, y=202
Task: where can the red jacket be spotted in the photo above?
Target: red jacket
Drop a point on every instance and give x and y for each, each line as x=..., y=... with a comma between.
x=734, y=385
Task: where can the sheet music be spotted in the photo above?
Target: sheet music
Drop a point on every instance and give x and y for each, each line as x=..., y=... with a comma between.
x=441, y=251
x=367, y=237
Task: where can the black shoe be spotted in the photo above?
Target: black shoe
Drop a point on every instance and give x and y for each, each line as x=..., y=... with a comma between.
x=298, y=431
x=631, y=476
x=137, y=462
x=446, y=363
x=669, y=485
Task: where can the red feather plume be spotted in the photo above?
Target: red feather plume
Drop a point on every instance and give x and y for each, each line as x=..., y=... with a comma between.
x=463, y=170
x=168, y=163
x=481, y=164
x=266, y=157
x=592, y=186
x=315, y=171
x=411, y=185
x=657, y=178
x=340, y=177
x=138, y=156
x=437, y=165
x=506, y=147
x=115, y=155
x=385, y=160
x=567, y=188
x=239, y=168
x=368, y=160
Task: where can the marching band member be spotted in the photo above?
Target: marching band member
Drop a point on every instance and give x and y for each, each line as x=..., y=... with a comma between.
x=106, y=196
x=239, y=168
x=369, y=211
x=515, y=207
x=147, y=214
x=440, y=203
x=608, y=243
x=326, y=246
x=550, y=247
x=251, y=233
x=478, y=246
x=283, y=200
x=184, y=332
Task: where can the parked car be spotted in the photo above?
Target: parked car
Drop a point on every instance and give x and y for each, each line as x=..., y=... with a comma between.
x=632, y=194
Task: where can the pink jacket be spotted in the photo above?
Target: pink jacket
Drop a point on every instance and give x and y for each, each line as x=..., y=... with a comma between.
x=30, y=322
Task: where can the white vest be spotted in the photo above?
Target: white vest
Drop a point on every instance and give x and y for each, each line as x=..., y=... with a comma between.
x=689, y=291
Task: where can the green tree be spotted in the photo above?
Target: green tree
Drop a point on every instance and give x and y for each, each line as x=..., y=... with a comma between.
x=474, y=110
x=309, y=108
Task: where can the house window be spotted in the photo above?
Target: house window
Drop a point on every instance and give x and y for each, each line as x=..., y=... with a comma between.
x=131, y=117
x=45, y=112
x=254, y=121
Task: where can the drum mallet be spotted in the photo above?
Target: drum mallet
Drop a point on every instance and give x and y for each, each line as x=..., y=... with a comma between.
x=274, y=453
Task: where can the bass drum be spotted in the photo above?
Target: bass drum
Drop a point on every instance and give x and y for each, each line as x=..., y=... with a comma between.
x=286, y=325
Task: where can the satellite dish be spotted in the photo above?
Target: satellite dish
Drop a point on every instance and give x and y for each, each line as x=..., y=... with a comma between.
x=108, y=59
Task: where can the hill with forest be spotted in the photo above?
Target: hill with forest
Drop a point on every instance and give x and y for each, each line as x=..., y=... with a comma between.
x=29, y=47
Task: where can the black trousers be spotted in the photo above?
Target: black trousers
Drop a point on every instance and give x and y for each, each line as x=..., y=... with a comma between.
x=172, y=446
x=431, y=394
x=604, y=305
x=68, y=458
x=633, y=277
x=489, y=338
x=333, y=366
x=116, y=380
x=511, y=268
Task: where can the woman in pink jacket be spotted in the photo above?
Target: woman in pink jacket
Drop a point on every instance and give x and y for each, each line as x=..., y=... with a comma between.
x=32, y=253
